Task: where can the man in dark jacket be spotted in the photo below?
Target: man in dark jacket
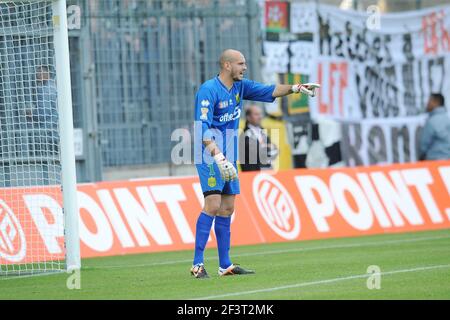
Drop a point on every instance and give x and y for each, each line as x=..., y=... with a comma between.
x=256, y=150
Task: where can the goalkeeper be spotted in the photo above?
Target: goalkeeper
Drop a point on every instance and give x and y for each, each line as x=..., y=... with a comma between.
x=218, y=106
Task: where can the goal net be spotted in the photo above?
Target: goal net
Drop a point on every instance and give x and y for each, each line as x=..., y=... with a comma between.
x=38, y=215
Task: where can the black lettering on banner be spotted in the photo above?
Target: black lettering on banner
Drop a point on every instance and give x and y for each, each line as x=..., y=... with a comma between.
x=351, y=144
x=396, y=142
x=349, y=32
x=409, y=97
x=400, y=137
x=362, y=91
x=409, y=93
x=376, y=45
x=387, y=51
x=422, y=90
x=392, y=108
x=353, y=45
x=417, y=134
x=407, y=47
x=379, y=50
x=362, y=47
x=325, y=37
x=436, y=74
x=380, y=92
x=338, y=42
x=377, y=145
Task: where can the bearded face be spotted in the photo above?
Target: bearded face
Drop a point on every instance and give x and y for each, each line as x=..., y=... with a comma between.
x=238, y=68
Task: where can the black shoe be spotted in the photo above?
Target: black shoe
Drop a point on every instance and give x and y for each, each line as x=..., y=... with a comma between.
x=199, y=272
x=234, y=269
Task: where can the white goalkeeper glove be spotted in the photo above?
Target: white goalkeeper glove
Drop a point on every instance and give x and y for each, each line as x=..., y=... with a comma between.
x=306, y=88
x=226, y=168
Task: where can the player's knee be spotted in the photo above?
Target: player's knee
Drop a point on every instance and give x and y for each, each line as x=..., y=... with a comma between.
x=226, y=211
x=211, y=210
x=212, y=206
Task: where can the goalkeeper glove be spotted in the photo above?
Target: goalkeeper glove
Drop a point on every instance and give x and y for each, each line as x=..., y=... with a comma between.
x=226, y=168
x=306, y=88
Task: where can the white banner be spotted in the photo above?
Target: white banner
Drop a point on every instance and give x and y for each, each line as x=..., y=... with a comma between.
x=377, y=72
x=380, y=67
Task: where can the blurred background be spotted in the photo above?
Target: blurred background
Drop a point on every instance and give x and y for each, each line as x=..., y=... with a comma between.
x=137, y=64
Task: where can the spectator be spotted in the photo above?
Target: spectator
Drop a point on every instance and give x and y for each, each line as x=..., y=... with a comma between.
x=435, y=137
x=45, y=114
x=257, y=152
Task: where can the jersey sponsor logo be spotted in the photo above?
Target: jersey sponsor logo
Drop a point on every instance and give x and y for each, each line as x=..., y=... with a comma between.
x=276, y=206
x=223, y=104
x=236, y=114
x=12, y=238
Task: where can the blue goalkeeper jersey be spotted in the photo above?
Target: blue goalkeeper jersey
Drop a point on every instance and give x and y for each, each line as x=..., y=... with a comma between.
x=217, y=114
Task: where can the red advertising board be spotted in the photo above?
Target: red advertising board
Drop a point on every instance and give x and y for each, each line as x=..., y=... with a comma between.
x=151, y=215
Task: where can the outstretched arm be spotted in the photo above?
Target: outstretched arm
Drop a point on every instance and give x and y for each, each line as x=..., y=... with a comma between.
x=282, y=90
x=256, y=91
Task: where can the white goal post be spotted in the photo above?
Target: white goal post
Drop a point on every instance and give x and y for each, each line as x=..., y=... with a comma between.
x=38, y=195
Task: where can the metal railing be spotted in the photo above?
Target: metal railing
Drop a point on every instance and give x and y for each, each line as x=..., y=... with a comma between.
x=146, y=60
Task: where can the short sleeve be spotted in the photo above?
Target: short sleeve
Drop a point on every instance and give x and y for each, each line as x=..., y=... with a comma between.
x=256, y=91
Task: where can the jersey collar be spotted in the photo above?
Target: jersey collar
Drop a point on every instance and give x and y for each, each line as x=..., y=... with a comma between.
x=224, y=86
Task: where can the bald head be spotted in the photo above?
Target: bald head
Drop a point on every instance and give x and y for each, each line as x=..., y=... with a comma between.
x=232, y=64
x=230, y=55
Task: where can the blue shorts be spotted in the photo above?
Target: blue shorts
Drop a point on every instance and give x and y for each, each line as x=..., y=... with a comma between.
x=212, y=183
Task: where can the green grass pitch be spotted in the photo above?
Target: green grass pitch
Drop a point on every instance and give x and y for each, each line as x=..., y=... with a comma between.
x=413, y=266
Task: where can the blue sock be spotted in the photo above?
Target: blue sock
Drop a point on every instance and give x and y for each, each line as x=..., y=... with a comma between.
x=203, y=228
x=223, y=235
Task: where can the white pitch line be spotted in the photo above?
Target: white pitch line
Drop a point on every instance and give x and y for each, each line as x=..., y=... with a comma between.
x=251, y=254
x=319, y=282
